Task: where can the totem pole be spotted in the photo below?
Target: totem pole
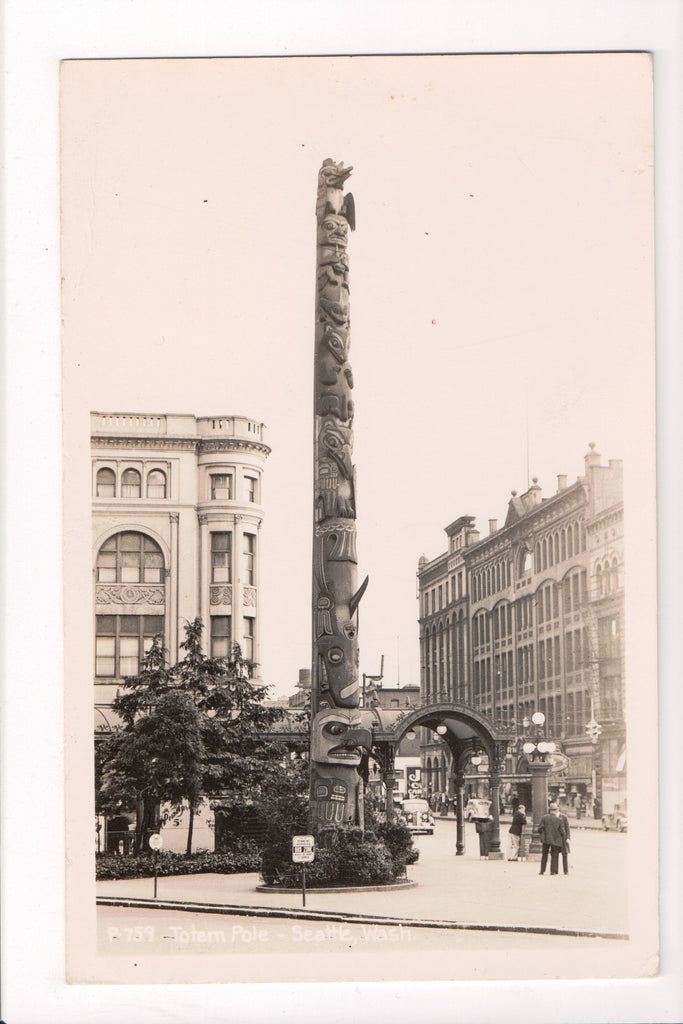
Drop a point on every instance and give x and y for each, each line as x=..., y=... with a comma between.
x=337, y=734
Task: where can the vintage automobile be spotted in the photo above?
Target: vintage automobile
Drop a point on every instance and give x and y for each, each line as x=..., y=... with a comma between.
x=417, y=816
x=476, y=808
x=617, y=819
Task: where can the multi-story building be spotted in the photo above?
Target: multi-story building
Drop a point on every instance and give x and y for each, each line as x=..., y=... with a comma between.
x=530, y=618
x=176, y=520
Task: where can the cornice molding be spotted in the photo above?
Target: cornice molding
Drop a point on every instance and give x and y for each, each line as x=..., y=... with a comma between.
x=184, y=444
x=229, y=444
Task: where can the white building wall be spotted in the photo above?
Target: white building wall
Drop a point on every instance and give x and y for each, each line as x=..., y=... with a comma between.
x=188, y=450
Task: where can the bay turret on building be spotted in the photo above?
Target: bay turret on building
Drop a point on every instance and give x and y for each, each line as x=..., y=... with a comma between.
x=530, y=618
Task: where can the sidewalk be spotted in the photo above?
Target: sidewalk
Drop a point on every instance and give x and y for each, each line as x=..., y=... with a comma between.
x=460, y=891
x=574, y=823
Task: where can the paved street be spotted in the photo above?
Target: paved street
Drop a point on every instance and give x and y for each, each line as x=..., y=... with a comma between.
x=464, y=889
x=130, y=931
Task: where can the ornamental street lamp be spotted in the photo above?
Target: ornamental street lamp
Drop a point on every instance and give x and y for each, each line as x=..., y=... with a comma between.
x=538, y=751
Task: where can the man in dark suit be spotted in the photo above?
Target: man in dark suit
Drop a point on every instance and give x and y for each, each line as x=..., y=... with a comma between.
x=553, y=836
x=565, y=846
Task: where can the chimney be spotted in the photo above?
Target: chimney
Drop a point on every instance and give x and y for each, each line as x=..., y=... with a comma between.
x=561, y=482
x=493, y=525
x=592, y=457
x=533, y=495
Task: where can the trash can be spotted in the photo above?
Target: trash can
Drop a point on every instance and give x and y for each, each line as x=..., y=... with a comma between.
x=484, y=827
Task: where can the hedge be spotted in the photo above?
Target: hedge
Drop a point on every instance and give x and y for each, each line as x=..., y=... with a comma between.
x=244, y=856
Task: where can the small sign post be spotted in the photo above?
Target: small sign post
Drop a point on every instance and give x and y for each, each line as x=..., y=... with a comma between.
x=303, y=852
x=155, y=843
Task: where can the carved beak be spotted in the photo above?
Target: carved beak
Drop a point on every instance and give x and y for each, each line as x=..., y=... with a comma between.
x=343, y=175
x=359, y=738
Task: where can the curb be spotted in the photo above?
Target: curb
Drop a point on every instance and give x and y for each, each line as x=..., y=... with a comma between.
x=347, y=918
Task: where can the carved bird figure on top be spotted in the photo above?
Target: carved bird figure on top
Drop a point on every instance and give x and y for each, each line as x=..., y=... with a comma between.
x=331, y=198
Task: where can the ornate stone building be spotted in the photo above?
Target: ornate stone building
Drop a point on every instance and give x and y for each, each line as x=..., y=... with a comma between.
x=530, y=618
x=176, y=519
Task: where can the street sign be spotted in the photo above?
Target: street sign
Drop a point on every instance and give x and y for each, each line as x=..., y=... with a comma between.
x=303, y=849
x=155, y=841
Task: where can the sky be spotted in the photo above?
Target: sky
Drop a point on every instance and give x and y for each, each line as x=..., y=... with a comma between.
x=500, y=281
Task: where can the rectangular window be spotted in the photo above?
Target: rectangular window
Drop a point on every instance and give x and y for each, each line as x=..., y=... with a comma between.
x=252, y=489
x=129, y=651
x=221, y=557
x=121, y=641
x=221, y=486
x=220, y=636
x=249, y=548
x=248, y=651
x=105, y=654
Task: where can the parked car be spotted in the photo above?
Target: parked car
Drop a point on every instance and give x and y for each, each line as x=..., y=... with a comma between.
x=617, y=819
x=477, y=808
x=418, y=817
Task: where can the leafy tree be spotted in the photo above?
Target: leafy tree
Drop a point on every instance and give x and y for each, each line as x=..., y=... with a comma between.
x=157, y=757
x=227, y=754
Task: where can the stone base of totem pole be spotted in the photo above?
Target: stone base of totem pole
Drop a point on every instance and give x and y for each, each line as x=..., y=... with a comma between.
x=403, y=884
x=496, y=855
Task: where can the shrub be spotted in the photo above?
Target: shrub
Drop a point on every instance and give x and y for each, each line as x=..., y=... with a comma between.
x=398, y=839
x=244, y=856
x=344, y=856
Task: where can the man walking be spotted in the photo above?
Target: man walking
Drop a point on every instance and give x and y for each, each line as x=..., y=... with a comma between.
x=552, y=834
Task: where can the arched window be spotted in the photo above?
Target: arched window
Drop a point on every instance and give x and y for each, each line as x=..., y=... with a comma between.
x=130, y=558
x=156, y=484
x=121, y=641
x=601, y=583
x=570, y=542
x=563, y=545
x=130, y=484
x=615, y=574
x=479, y=630
x=575, y=591
x=557, y=548
x=105, y=486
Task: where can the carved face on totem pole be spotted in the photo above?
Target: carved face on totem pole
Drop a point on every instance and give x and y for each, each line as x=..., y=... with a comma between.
x=338, y=737
x=335, y=479
x=334, y=379
x=338, y=668
x=338, y=741
x=333, y=231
